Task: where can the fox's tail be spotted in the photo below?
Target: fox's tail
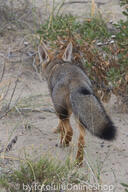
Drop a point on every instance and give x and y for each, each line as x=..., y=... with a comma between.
x=91, y=113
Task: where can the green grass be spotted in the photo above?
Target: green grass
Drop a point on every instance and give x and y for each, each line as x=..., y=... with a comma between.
x=125, y=186
x=68, y=25
x=60, y=26
x=94, y=29
x=122, y=40
x=46, y=172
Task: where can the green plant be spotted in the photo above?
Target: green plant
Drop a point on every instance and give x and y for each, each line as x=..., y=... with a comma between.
x=44, y=172
x=61, y=26
x=126, y=186
x=122, y=47
x=67, y=25
x=93, y=29
x=123, y=2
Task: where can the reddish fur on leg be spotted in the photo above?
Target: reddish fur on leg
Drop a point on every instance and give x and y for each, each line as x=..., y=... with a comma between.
x=81, y=144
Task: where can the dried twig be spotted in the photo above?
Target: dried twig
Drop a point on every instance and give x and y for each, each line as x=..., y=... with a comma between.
x=8, y=108
x=10, y=145
x=7, y=111
x=83, y=2
x=73, y=2
x=7, y=90
x=89, y=166
x=50, y=110
x=13, y=92
x=10, y=158
x=3, y=71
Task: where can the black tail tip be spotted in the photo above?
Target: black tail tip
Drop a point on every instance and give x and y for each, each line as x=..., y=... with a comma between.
x=109, y=132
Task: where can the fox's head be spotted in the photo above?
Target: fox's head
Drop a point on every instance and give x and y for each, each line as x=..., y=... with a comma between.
x=46, y=57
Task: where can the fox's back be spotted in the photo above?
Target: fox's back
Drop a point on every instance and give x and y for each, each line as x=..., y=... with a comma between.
x=68, y=75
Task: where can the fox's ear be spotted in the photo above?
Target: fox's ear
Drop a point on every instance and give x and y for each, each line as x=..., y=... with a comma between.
x=43, y=54
x=67, y=56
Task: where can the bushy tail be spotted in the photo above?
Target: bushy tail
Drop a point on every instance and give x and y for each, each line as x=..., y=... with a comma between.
x=91, y=114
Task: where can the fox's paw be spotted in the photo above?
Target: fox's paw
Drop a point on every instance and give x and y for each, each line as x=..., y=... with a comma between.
x=56, y=130
x=62, y=145
x=78, y=163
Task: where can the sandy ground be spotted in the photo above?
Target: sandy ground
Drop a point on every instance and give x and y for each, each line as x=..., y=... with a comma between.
x=34, y=128
x=110, y=9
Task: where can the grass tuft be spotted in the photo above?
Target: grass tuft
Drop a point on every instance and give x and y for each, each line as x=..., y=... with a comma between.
x=44, y=172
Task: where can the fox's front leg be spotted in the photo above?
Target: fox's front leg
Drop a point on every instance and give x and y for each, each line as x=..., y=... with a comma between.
x=60, y=129
x=81, y=144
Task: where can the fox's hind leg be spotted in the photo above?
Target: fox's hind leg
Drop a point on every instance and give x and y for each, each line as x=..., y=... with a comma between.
x=62, y=131
x=66, y=132
x=63, y=111
x=81, y=144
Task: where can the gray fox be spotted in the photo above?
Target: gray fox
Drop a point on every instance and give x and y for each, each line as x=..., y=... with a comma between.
x=71, y=92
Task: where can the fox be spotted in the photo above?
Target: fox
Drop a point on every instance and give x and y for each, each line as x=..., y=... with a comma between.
x=71, y=91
